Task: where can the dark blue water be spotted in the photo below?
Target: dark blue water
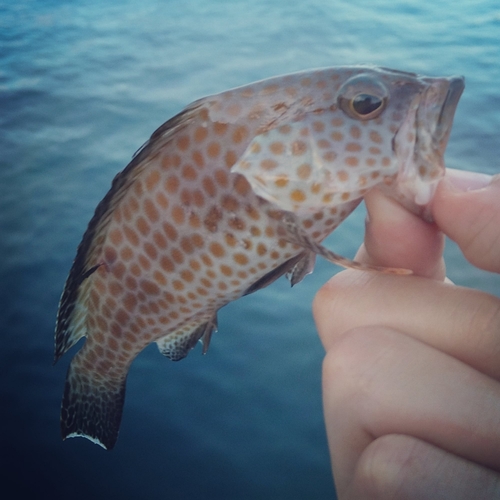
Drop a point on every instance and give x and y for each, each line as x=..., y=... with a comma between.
x=82, y=85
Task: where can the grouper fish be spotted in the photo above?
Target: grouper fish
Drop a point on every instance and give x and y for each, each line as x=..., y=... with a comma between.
x=235, y=191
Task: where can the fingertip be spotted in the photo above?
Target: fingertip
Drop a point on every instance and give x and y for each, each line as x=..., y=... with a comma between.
x=465, y=180
x=466, y=207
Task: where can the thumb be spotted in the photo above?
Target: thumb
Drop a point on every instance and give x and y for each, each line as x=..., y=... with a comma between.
x=466, y=208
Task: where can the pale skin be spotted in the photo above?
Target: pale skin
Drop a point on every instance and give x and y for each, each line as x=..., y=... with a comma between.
x=411, y=376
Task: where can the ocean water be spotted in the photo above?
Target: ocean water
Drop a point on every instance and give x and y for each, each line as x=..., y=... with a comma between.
x=82, y=85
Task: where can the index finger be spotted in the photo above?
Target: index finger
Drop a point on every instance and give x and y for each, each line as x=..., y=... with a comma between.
x=461, y=322
x=395, y=237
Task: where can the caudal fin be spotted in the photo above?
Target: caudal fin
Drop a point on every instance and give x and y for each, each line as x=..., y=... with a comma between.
x=92, y=406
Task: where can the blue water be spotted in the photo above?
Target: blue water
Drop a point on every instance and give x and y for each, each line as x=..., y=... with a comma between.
x=82, y=85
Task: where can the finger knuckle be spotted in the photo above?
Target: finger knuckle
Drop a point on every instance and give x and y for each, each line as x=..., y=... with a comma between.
x=484, y=330
x=384, y=465
x=481, y=243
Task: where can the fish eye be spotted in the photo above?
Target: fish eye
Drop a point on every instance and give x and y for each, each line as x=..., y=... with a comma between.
x=363, y=106
x=366, y=104
x=363, y=97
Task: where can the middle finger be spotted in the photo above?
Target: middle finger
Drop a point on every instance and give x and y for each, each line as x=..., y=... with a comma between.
x=462, y=322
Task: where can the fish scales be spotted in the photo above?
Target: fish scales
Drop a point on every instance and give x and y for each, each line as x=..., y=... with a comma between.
x=235, y=191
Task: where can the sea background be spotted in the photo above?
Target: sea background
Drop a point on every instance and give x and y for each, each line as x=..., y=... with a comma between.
x=82, y=85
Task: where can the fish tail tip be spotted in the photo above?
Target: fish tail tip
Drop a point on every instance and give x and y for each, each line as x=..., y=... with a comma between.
x=107, y=446
x=92, y=408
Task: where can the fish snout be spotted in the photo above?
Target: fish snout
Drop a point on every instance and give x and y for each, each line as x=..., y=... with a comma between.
x=456, y=85
x=434, y=121
x=437, y=110
x=420, y=155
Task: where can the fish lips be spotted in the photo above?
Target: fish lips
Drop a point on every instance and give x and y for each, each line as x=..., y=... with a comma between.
x=421, y=163
x=443, y=127
x=438, y=107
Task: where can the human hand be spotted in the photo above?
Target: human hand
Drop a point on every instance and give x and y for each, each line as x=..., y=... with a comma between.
x=411, y=376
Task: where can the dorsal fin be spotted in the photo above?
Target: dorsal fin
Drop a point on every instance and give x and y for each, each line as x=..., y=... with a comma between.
x=70, y=326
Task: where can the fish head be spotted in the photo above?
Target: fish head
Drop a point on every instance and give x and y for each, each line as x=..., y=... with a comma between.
x=348, y=130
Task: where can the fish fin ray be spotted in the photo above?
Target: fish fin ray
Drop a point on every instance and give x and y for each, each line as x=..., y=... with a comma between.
x=176, y=345
x=296, y=235
x=210, y=327
x=92, y=406
x=302, y=268
x=273, y=275
x=67, y=333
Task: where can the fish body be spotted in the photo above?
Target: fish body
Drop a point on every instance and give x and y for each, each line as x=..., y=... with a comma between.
x=235, y=191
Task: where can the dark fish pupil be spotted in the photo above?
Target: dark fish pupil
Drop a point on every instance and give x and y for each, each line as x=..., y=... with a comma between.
x=364, y=104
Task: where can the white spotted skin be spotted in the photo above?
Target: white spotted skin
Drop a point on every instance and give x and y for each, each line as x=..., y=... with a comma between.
x=188, y=237
x=329, y=156
x=196, y=218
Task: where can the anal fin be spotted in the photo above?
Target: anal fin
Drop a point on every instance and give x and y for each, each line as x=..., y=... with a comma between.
x=208, y=328
x=176, y=345
x=296, y=235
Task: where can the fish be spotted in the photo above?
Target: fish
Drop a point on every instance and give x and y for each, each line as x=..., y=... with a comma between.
x=235, y=191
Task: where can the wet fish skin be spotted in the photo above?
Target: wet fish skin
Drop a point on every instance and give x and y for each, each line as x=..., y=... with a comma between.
x=235, y=191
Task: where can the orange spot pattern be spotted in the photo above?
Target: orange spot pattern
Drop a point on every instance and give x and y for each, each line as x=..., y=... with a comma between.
x=295, y=164
x=189, y=235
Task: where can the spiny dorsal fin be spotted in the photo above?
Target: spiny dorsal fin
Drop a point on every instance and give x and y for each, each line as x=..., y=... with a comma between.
x=70, y=326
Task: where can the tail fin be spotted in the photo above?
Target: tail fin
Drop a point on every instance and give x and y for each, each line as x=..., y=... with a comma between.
x=92, y=406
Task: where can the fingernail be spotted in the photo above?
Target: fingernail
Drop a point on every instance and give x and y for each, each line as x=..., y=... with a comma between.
x=464, y=180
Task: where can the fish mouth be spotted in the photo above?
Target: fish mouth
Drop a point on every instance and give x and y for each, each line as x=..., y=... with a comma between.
x=435, y=114
x=422, y=160
x=456, y=85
